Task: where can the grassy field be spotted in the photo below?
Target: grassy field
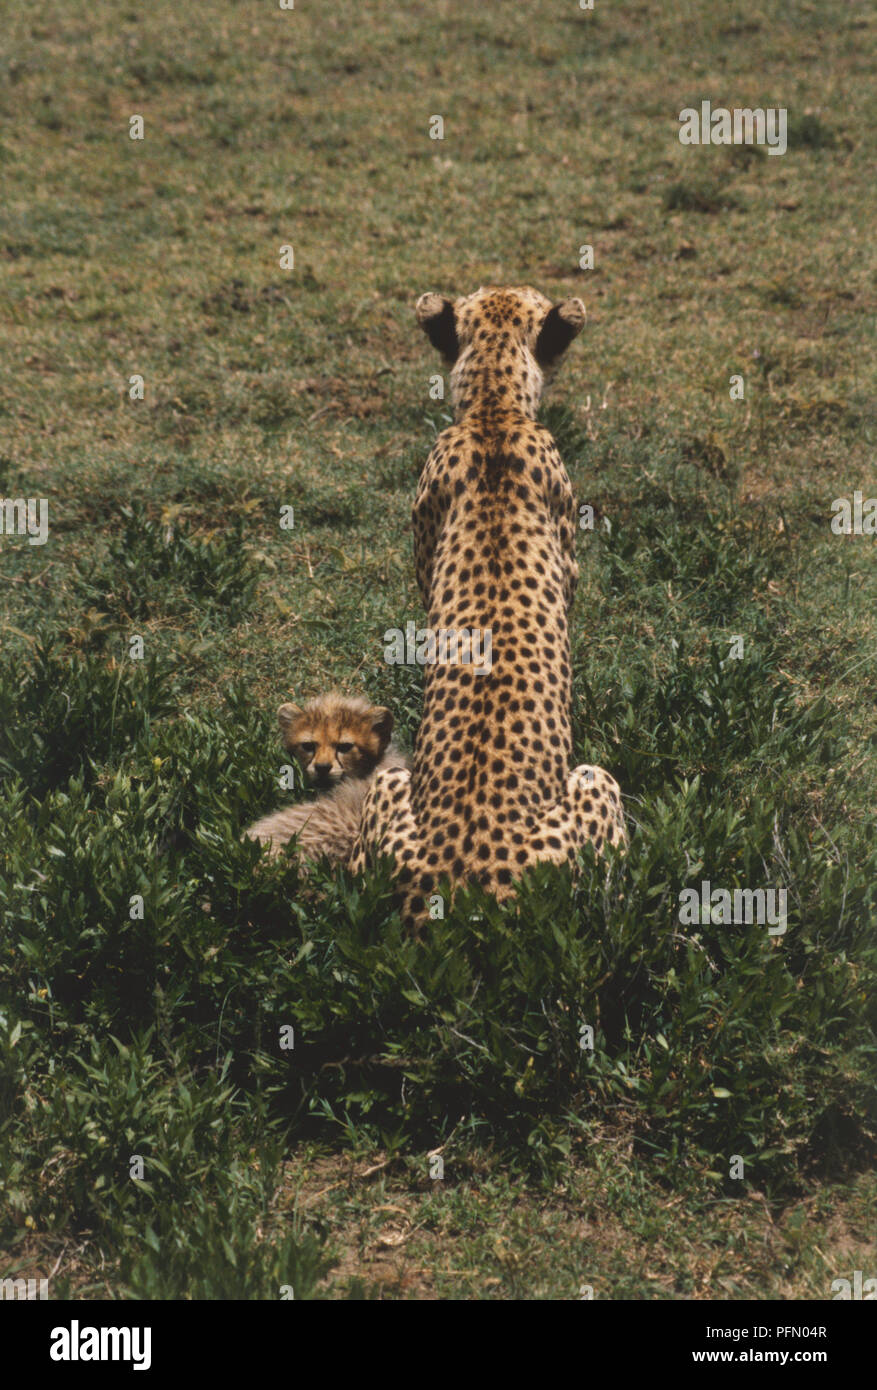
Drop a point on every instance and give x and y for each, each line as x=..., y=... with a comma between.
x=157, y=1034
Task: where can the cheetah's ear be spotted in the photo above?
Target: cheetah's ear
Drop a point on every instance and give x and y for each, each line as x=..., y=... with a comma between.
x=561, y=324
x=382, y=723
x=287, y=715
x=435, y=314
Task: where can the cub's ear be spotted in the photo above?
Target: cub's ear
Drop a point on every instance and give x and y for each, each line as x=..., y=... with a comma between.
x=561, y=324
x=435, y=314
x=287, y=715
x=382, y=723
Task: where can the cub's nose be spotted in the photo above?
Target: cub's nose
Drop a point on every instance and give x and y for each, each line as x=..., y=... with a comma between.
x=322, y=771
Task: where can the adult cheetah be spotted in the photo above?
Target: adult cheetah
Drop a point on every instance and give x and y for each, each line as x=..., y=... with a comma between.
x=494, y=545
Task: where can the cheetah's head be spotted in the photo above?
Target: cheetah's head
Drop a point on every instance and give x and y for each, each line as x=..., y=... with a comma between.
x=502, y=343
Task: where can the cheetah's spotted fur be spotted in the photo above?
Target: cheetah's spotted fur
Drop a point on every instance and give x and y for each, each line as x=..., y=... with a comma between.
x=494, y=542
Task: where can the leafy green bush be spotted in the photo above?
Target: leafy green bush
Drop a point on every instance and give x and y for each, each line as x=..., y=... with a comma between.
x=150, y=960
x=66, y=715
x=152, y=568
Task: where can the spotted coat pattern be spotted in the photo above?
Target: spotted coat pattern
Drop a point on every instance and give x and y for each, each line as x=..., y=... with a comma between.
x=494, y=518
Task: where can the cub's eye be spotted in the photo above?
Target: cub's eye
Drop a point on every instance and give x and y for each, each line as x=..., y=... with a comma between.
x=307, y=747
x=344, y=747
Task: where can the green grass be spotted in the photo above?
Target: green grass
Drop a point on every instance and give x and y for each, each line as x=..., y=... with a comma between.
x=158, y=1034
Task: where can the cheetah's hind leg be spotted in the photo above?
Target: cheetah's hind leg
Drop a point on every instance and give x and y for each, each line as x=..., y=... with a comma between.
x=591, y=811
x=388, y=826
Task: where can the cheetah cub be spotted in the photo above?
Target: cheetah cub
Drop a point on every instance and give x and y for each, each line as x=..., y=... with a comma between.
x=340, y=741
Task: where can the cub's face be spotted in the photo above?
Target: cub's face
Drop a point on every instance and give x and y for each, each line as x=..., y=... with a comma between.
x=332, y=739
